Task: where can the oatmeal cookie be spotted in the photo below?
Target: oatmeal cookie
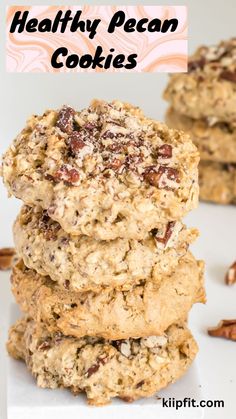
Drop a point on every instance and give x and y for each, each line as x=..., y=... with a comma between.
x=106, y=172
x=215, y=142
x=103, y=369
x=147, y=309
x=80, y=263
x=208, y=90
x=217, y=182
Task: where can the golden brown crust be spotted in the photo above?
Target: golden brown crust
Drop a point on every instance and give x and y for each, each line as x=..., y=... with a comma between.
x=215, y=142
x=145, y=310
x=80, y=263
x=209, y=87
x=105, y=172
x=217, y=182
x=103, y=369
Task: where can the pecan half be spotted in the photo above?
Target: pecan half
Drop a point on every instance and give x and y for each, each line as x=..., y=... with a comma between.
x=65, y=119
x=6, y=258
x=225, y=329
x=230, y=277
x=228, y=75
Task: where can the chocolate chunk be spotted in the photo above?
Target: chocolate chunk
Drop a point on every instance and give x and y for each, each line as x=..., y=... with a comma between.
x=65, y=119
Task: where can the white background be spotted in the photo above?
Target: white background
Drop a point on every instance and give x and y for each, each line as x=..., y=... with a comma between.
x=25, y=94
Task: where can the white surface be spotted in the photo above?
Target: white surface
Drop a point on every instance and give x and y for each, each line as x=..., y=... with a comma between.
x=22, y=95
x=26, y=401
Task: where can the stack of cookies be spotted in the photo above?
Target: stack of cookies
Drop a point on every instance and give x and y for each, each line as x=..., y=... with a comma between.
x=203, y=103
x=104, y=273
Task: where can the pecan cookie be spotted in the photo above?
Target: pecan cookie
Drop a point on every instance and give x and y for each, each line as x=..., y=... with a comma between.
x=80, y=263
x=217, y=182
x=103, y=369
x=147, y=309
x=215, y=141
x=106, y=172
x=208, y=90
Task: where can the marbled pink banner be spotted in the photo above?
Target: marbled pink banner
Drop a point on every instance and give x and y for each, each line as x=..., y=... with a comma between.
x=156, y=49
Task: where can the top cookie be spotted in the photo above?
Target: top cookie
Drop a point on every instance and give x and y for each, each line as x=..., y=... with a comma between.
x=105, y=172
x=208, y=90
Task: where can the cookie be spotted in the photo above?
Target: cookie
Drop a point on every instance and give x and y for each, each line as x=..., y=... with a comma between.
x=217, y=182
x=208, y=90
x=215, y=142
x=147, y=309
x=80, y=263
x=103, y=369
x=106, y=172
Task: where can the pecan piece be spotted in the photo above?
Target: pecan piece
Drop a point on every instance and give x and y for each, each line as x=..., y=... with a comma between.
x=65, y=119
x=225, y=329
x=101, y=360
x=75, y=142
x=151, y=176
x=194, y=65
x=115, y=164
x=163, y=178
x=165, y=151
x=44, y=346
x=66, y=284
x=109, y=134
x=169, y=230
x=228, y=75
x=230, y=277
x=140, y=384
x=49, y=229
x=168, y=178
x=128, y=399
x=67, y=174
x=6, y=258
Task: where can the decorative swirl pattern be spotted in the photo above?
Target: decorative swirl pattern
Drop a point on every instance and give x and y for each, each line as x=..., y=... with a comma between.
x=157, y=52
